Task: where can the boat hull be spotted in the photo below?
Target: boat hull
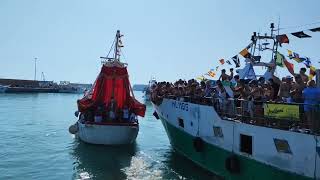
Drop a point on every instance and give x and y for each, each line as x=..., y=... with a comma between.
x=107, y=134
x=213, y=159
x=3, y=89
x=199, y=121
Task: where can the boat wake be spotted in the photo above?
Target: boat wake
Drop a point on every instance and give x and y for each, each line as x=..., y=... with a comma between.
x=144, y=166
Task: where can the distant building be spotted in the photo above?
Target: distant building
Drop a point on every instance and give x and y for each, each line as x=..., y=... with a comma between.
x=139, y=87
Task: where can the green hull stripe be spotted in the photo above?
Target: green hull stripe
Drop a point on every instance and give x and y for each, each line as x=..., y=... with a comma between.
x=213, y=159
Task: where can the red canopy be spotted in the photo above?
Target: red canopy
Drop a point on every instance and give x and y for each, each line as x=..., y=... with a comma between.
x=112, y=81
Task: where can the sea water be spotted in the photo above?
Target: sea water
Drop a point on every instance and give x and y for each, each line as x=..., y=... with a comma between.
x=35, y=144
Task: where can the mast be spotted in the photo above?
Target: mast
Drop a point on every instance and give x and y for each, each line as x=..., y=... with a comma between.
x=116, y=48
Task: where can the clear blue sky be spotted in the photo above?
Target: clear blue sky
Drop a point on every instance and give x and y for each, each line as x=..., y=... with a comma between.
x=167, y=39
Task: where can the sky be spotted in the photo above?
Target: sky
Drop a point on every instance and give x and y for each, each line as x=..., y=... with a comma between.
x=164, y=39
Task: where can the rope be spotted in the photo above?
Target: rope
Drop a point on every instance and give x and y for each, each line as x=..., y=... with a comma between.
x=111, y=47
x=299, y=26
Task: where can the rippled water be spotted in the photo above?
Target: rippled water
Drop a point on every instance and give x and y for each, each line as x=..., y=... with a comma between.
x=35, y=144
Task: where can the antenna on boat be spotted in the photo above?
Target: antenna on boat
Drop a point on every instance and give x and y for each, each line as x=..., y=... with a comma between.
x=116, y=47
x=43, y=77
x=35, y=69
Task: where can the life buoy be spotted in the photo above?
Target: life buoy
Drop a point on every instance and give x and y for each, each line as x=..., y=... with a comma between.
x=198, y=144
x=73, y=129
x=232, y=164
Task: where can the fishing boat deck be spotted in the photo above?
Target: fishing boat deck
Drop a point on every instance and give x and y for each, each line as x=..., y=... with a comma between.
x=261, y=114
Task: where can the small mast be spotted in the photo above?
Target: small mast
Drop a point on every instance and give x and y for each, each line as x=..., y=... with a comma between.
x=255, y=60
x=116, y=47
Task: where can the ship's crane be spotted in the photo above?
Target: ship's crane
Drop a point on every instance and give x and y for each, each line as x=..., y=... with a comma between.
x=43, y=78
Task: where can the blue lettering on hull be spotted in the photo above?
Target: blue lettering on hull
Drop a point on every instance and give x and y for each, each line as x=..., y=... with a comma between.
x=180, y=105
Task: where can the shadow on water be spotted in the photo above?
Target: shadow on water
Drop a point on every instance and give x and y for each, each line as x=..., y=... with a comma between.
x=101, y=162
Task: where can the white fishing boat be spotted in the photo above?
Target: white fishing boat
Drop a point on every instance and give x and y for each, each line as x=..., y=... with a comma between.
x=221, y=137
x=67, y=87
x=108, y=113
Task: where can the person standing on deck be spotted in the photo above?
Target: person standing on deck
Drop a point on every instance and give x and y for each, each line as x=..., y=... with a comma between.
x=112, y=109
x=303, y=75
x=311, y=96
x=226, y=77
x=297, y=88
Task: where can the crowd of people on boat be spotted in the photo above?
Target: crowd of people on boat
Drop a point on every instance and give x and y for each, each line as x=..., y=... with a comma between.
x=248, y=93
x=109, y=113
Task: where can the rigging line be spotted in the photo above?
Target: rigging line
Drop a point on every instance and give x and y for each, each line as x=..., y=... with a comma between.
x=122, y=54
x=298, y=26
x=111, y=47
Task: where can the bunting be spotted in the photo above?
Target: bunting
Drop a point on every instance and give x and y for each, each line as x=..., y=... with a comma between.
x=201, y=78
x=312, y=72
x=295, y=56
x=289, y=66
x=315, y=29
x=245, y=53
x=228, y=62
x=279, y=60
x=221, y=61
x=307, y=62
x=211, y=73
x=300, y=34
x=283, y=38
x=236, y=61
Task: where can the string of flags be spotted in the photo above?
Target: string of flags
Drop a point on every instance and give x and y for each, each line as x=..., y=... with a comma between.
x=303, y=59
x=280, y=59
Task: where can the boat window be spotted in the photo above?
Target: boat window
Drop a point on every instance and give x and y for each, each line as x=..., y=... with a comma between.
x=181, y=123
x=217, y=131
x=246, y=143
x=282, y=146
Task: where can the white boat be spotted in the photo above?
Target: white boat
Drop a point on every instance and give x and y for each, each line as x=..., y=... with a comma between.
x=3, y=88
x=67, y=87
x=108, y=113
x=108, y=133
x=225, y=139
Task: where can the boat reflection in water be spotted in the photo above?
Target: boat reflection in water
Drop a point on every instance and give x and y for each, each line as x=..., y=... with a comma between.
x=101, y=162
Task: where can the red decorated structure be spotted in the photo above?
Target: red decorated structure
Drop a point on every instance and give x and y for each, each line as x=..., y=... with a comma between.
x=112, y=82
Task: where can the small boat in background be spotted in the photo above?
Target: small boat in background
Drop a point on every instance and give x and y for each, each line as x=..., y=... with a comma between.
x=147, y=90
x=108, y=113
x=3, y=88
x=67, y=87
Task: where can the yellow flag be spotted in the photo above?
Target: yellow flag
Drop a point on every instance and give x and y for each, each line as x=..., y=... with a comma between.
x=245, y=53
x=211, y=73
x=201, y=78
x=289, y=53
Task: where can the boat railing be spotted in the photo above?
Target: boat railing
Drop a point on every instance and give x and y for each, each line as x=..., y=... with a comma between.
x=298, y=117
